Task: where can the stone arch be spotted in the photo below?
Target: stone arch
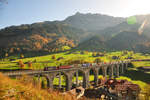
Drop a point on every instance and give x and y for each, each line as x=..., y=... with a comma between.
x=118, y=70
x=47, y=79
x=39, y=78
x=62, y=80
x=100, y=71
x=112, y=70
x=94, y=72
x=78, y=78
x=126, y=65
x=115, y=70
x=122, y=68
x=108, y=71
x=75, y=79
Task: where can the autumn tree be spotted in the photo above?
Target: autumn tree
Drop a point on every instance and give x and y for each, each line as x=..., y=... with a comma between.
x=54, y=57
x=56, y=49
x=84, y=52
x=21, y=56
x=94, y=54
x=21, y=64
x=11, y=50
x=30, y=64
x=6, y=54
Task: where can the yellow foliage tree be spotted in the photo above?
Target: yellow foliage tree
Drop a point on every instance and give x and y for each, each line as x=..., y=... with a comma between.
x=21, y=56
x=6, y=54
x=54, y=57
x=21, y=64
x=30, y=65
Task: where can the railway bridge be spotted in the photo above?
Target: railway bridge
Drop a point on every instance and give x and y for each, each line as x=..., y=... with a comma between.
x=110, y=70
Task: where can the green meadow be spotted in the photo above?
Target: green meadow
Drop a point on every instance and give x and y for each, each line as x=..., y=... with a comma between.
x=47, y=60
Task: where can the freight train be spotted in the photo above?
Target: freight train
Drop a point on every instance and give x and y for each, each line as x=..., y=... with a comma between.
x=64, y=67
x=56, y=68
x=81, y=65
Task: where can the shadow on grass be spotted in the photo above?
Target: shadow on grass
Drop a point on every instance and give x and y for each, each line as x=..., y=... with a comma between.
x=138, y=75
x=144, y=69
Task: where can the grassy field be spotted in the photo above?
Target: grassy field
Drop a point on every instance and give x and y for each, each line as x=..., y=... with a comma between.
x=133, y=74
x=41, y=61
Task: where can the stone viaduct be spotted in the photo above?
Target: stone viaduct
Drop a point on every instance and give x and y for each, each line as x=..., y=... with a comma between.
x=110, y=70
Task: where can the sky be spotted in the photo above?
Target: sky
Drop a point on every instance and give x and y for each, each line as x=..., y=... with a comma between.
x=16, y=12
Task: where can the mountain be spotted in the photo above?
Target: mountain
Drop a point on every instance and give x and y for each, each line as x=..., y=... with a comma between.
x=123, y=36
x=45, y=36
x=93, y=22
x=93, y=32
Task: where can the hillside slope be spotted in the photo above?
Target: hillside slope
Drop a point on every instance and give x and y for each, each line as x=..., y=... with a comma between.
x=124, y=36
x=126, y=40
x=46, y=36
x=130, y=41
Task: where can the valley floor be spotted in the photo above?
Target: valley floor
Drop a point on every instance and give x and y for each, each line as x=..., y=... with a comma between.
x=134, y=73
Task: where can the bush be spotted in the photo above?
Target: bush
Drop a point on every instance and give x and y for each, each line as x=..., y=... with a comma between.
x=60, y=58
x=84, y=52
x=115, y=57
x=6, y=55
x=97, y=60
x=94, y=54
x=30, y=64
x=54, y=57
x=21, y=56
x=21, y=64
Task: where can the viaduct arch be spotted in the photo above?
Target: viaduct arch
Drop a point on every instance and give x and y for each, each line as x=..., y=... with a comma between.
x=108, y=70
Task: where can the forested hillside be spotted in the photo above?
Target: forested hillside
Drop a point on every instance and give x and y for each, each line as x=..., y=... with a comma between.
x=46, y=36
x=132, y=34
